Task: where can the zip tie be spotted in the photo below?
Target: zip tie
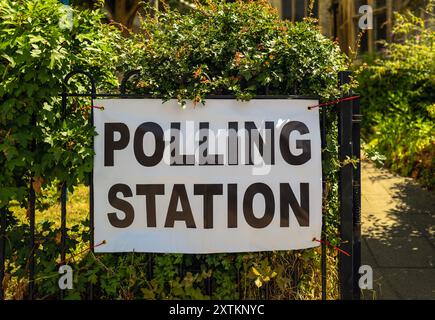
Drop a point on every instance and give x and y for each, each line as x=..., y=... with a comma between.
x=97, y=107
x=83, y=251
x=331, y=245
x=333, y=102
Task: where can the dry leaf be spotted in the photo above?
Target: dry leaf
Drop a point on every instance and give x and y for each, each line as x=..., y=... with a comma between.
x=258, y=282
x=255, y=271
x=58, y=238
x=5, y=282
x=37, y=183
x=28, y=213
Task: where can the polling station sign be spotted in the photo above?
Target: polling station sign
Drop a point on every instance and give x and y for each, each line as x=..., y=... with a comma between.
x=229, y=176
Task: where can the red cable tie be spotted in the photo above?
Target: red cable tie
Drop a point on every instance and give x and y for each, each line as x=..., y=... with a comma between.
x=97, y=107
x=333, y=102
x=83, y=251
x=331, y=245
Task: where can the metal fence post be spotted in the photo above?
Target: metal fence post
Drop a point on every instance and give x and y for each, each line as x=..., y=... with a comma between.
x=2, y=249
x=63, y=199
x=32, y=244
x=346, y=268
x=356, y=120
x=91, y=181
x=32, y=200
x=93, y=96
x=323, y=263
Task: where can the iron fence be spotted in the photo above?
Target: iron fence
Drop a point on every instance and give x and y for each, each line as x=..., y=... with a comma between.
x=349, y=117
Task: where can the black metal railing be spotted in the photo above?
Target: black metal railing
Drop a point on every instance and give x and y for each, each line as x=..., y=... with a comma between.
x=349, y=192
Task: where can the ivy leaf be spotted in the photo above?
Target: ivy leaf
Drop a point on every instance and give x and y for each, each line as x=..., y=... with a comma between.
x=10, y=59
x=258, y=282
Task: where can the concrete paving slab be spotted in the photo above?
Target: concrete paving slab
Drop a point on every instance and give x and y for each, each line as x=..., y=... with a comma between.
x=385, y=227
x=411, y=252
x=412, y=283
x=382, y=290
x=398, y=227
x=367, y=257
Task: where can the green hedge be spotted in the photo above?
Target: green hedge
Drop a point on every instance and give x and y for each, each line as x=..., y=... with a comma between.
x=239, y=48
x=37, y=50
x=398, y=97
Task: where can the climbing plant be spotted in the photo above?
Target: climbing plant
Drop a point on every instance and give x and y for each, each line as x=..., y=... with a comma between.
x=240, y=48
x=40, y=42
x=398, y=97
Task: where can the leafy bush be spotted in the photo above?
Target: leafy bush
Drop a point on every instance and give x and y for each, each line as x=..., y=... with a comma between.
x=239, y=48
x=38, y=47
x=398, y=100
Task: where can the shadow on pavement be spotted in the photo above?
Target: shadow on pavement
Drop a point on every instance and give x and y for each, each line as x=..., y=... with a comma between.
x=398, y=218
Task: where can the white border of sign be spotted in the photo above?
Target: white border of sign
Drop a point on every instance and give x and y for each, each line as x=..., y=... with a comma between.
x=178, y=238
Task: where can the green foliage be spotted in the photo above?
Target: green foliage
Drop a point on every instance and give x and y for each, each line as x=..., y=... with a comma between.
x=37, y=49
x=281, y=275
x=398, y=100
x=240, y=48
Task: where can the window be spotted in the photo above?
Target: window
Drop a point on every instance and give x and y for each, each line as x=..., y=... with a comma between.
x=297, y=10
x=347, y=29
x=382, y=19
x=380, y=29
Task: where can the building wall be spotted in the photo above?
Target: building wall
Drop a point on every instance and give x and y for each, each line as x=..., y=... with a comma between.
x=324, y=13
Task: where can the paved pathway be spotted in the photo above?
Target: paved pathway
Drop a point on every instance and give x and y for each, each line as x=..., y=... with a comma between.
x=398, y=227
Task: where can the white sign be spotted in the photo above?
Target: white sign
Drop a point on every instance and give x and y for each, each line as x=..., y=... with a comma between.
x=229, y=176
